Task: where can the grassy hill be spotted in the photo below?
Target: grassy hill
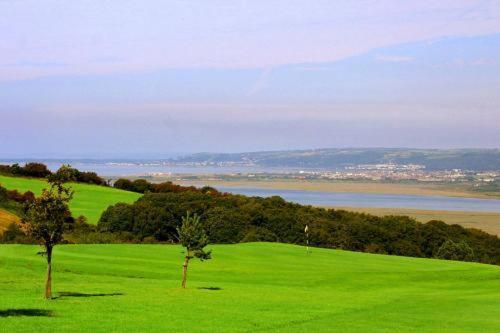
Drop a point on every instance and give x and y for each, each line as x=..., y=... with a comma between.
x=89, y=200
x=253, y=287
x=6, y=218
x=433, y=159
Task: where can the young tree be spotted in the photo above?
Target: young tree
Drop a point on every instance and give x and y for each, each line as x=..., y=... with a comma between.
x=44, y=220
x=193, y=237
x=451, y=250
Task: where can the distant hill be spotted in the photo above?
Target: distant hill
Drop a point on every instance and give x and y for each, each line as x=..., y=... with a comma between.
x=334, y=158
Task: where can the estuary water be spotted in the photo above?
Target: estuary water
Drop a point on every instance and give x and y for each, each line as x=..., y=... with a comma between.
x=125, y=169
x=316, y=198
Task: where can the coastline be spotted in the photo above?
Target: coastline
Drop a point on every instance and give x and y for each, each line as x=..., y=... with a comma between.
x=348, y=187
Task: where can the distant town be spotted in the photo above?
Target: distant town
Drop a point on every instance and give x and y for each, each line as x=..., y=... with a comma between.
x=366, y=172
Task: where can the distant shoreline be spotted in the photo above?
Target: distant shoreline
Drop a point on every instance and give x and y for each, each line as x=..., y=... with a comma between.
x=349, y=187
x=486, y=221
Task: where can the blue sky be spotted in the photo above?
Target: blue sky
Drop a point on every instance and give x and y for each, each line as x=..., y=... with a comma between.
x=137, y=78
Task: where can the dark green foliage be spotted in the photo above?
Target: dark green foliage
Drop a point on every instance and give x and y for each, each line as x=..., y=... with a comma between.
x=193, y=237
x=7, y=203
x=3, y=194
x=68, y=174
x=451, y=250
x=229, y=218
x=259, y=234
x=155, y=222
x=225, y=225
x=124, y=184
x=64, y=174
x=46, y=217
x=37, y=170
x=119, y=217
x=16, y=169
x=143, y=186
x=32, y=169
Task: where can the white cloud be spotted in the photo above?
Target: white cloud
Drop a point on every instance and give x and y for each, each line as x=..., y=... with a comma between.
x=157, y=34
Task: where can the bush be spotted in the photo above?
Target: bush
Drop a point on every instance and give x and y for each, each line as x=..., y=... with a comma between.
x=68, y=174
x=259, y=234
x=3, y=194
x=143, y=186
x=124, y=184
x=451, y=250
x=38, y=170
x=14, y=235
x=16, y=196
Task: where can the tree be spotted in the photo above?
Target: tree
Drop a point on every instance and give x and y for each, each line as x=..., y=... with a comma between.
x=193, y=237
x=451, y=250
x=36, y=170
x=224, y=225
x=64, y=174
x=45, y=219
x=124, y=184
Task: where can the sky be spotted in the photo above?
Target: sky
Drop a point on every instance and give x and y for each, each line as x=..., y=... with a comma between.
x=150, y=78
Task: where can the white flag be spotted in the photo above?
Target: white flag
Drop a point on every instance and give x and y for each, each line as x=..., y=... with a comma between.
x=306, y=229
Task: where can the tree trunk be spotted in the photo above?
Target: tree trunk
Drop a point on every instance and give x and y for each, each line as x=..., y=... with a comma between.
x=184, y=270
x=48, y=283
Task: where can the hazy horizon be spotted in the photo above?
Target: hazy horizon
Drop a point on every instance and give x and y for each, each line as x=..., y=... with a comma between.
x=87, y=79
x=173, y=155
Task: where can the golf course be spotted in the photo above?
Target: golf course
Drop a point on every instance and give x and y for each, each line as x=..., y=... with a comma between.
x=252, y=287
x=89, y=200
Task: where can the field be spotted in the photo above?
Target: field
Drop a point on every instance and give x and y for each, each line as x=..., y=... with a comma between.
x=89, y=200
x=252, y=287
x=489, y=222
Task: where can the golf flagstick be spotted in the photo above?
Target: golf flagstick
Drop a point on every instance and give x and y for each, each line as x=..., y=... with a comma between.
x=306, y=230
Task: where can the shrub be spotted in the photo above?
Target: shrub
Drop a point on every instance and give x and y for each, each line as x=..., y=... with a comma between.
x=34, y=169
x=451, y=250
x=14, y=234
x=3, y=194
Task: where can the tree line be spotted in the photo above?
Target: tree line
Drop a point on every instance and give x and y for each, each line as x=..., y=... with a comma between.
x=65, y=173
x=215, y=217
x=229, y=218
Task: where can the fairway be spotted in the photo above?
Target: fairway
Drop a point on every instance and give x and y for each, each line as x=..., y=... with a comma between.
x=252, y=287
x=89, y=200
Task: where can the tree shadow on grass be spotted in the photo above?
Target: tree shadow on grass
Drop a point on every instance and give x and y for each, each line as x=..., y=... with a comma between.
x=26, y=313
x=75, y=294
x=210, y=288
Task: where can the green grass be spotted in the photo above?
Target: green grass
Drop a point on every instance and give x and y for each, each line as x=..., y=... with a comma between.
x=255, y=287
x=89, y=200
